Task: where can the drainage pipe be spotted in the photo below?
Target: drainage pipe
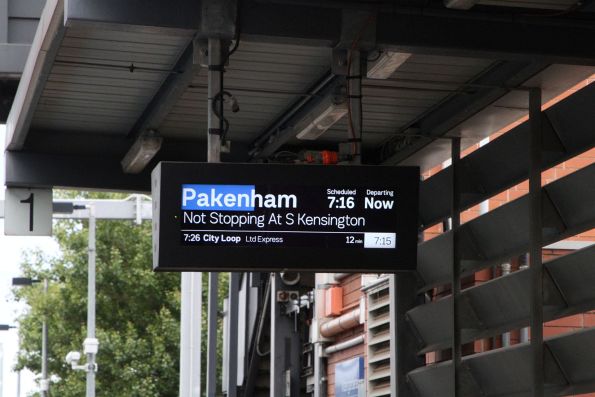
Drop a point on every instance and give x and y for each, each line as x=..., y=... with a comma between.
x=340, y=324
x=320, y=370
x=358, y=340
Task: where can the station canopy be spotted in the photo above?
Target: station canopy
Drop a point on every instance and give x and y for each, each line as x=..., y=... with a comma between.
x=101, y=74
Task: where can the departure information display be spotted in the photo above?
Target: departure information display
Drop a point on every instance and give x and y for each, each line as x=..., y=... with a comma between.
x=257, y=216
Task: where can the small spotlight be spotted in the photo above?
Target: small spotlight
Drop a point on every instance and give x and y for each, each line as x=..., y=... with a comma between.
x=386, y=64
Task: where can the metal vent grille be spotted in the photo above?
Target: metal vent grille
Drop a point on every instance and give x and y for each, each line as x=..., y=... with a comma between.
x=503, y=304
x=379, y=341
x=569, y=365
x=502, y=233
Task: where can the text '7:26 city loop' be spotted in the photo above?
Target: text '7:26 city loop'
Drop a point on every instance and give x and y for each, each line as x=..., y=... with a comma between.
x=277, y=217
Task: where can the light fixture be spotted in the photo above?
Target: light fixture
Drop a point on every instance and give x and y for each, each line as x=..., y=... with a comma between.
x=142, y=151
x=459, y=4
x=386, y=64
x=330, y=110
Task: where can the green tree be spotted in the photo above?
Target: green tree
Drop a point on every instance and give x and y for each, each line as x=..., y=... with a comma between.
x=137, y=312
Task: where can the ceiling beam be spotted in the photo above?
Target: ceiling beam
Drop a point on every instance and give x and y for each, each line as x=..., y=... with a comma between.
x=152, y=14
x=587, y=6
x=64, y=143
x=477, y=35
x=459, y=4
x=436, y=30
x=48, y=161
x=567, y=132
x=281, y=130
x=291, y=24
x=168, y=94
x=438, y=121
x=81, y=172
x=434, y=123
x=35, y=73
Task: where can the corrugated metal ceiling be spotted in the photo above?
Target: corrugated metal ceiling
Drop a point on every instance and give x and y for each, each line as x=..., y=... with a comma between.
x=102, y=80
x=267, y=78
x=568, y=361
x=104, y=77
x=421, y=83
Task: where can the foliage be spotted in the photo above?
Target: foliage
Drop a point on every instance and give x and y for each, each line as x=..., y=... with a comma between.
x=137, y=312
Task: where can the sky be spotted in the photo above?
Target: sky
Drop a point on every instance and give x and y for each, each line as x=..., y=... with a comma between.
x=11, y=249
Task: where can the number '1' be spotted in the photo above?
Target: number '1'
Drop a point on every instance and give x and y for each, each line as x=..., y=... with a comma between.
x=29, y=200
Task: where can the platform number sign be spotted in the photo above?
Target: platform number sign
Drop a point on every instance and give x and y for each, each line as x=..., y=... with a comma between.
x=31, y=201
x=28, y=212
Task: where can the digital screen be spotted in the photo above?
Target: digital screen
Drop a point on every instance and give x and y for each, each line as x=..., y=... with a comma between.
x=262, y=216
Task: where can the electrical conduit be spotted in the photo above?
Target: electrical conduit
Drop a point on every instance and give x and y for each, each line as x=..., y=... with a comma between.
x=358, y=340
x=341, y=324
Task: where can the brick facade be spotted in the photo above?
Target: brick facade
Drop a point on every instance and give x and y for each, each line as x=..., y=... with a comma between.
x=351, y=297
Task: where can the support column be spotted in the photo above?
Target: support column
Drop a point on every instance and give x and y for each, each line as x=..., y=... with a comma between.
x=3, y=21
x=215, y=54
x=45, y=382
x=506, y=268
x=232, y=315
x=535, y=219
x=456, y=267
x=320, y=368
x=215, y=75
x=403, y=354
x=355, y=121
x=19, y=383
x=191, y=335
x=91, y=304
x=285, y=348
x=212, y=315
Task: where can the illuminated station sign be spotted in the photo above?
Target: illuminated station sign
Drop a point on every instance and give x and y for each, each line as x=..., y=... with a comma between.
x=210, y=217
